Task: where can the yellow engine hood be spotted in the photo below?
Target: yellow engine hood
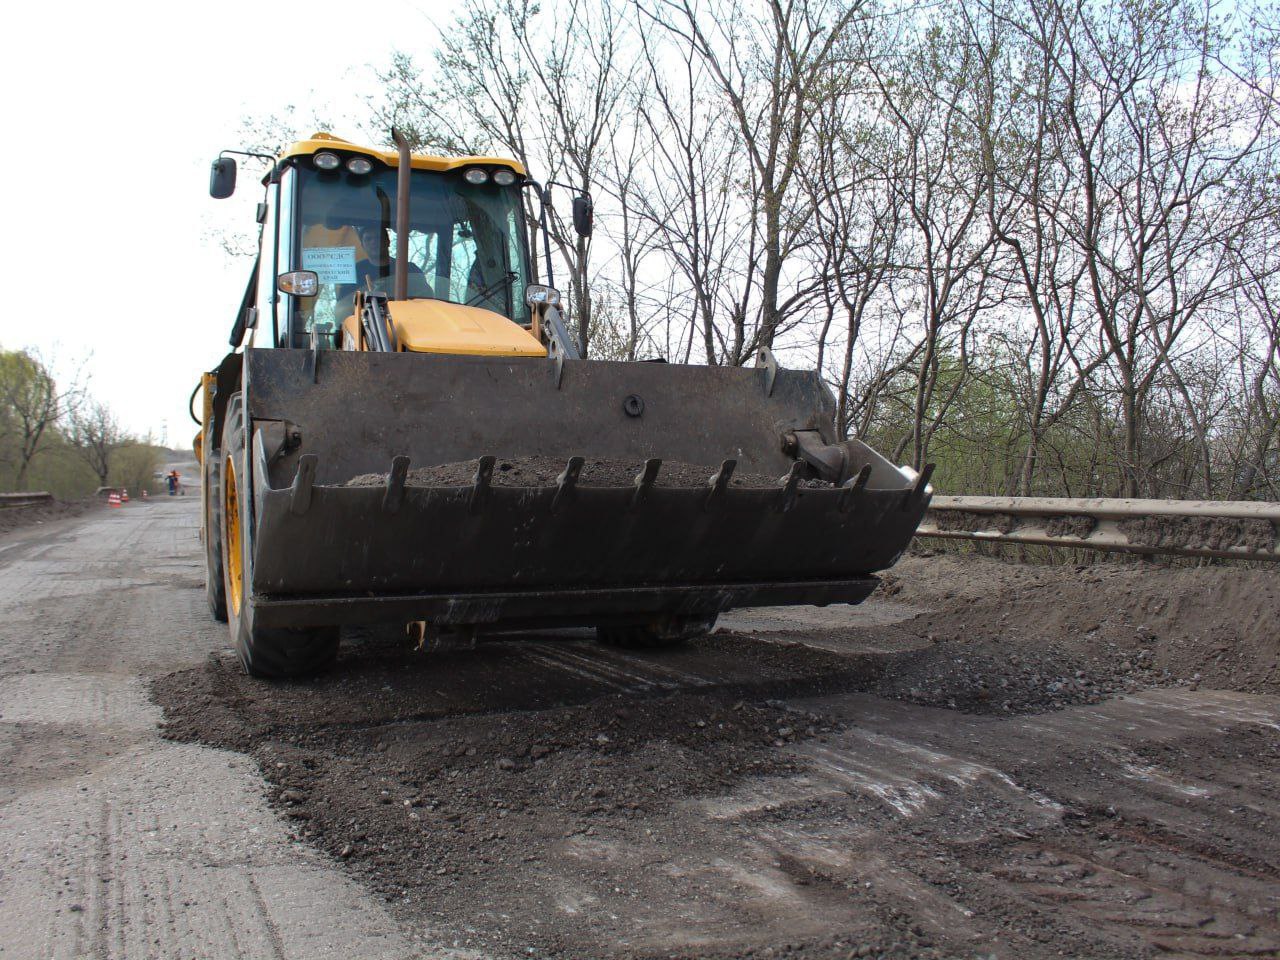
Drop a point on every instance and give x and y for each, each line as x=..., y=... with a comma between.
x=434, y=326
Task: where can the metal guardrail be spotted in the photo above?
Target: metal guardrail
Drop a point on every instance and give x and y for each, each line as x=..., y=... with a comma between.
x=25, y=499
x=1232, y=529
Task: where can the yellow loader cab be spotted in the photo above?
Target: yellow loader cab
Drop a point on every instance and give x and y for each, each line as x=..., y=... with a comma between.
x=467, y=265
x=399, y=316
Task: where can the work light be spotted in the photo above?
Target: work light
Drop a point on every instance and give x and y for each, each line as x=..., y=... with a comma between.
x=475, y=175
x=300, y=283
x=537, y=294
x=326, y=161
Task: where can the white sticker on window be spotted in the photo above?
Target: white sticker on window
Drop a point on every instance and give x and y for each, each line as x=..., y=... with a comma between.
x=331, y=264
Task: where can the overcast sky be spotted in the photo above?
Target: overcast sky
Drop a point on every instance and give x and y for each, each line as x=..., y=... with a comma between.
x=113, y=113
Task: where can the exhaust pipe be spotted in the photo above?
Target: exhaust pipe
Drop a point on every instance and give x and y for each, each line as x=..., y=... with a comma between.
x=401, y=290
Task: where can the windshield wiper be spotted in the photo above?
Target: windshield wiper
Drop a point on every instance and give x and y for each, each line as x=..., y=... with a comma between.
x=504, y=281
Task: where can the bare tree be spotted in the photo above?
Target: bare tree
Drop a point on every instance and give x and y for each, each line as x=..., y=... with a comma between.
x=770, y=63
x=33, y=405
x=931, y=98
x=541, y=84
x=1163, y=152
x=856, y=226
x=1255, y=323
x=693, y=198
x=96, y=435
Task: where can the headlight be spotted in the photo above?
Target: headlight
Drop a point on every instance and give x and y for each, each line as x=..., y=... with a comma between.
x=537, y=294
x=475, y=175
x=504, y=177
x=326, y=161
x=359, y=165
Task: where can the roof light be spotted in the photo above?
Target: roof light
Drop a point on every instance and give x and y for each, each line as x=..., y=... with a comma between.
x=504, y=177
x=359, y=165
x=326, y=161
x=475, y=175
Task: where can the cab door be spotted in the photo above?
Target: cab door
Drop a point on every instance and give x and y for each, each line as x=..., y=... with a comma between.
x=275, y=256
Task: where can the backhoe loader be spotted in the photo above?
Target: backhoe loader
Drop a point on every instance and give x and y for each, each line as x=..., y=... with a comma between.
x=398, y=316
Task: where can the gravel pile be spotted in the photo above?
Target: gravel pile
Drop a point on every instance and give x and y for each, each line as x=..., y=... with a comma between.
x=544, y=471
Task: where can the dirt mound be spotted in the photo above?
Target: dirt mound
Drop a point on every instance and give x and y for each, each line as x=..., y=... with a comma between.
x=544, y=472
x=455, y=776
x=547, y=797
x=13, y=518
x=1212, y=625
x=1200, y=533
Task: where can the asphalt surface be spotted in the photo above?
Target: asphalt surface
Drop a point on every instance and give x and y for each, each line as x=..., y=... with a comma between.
x=766, y=792
x=113, y=841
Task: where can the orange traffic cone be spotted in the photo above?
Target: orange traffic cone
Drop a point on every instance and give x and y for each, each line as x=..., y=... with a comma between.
x=124, y=494
x=113, y=499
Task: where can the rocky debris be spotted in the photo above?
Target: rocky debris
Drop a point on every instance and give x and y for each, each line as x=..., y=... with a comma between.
x=572, y=809
x=1205, y=533
x=1124, y=625
x=1071, y=525
x=970, y=520
x=544, y=471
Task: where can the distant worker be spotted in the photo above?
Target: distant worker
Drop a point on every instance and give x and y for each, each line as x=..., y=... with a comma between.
x=171, y=480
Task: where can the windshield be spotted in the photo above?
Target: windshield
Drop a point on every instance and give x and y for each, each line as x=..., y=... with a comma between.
x=466, y=242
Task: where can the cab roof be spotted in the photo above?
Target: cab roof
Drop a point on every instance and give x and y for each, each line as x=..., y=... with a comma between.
x=327, y=141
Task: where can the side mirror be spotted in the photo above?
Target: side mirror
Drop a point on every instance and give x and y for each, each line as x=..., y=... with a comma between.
x=584, y=213
x=222, y=178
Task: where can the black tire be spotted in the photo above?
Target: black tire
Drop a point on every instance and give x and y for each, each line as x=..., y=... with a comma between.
x=215, y=587
x=267, y=652
x=667, y=632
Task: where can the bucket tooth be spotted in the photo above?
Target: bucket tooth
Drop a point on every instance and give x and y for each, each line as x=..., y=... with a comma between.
x=787, y=496
x=644, y=481
x=916, y=493
x=300, y=490
x=394, y=495
x=566, y=482
x=853, y=486
x=481, y=484
x=718, y=483
x=766, y=359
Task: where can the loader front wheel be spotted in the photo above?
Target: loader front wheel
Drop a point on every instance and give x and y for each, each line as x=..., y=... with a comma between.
x=667, y=632
x=268, y=652
x=215, y=585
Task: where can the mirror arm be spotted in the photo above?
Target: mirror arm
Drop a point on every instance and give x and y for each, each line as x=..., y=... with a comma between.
x=544, y=201
x=579, y=193
x=274, y=174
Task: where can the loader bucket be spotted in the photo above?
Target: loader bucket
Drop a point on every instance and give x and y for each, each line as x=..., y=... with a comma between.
x=566, y=553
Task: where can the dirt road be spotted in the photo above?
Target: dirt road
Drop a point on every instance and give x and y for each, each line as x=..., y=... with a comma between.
x=114, y=842
x=992, y=761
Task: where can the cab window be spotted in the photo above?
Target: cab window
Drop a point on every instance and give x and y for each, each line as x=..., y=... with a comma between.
x=466, y=243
